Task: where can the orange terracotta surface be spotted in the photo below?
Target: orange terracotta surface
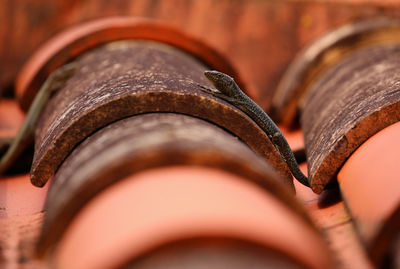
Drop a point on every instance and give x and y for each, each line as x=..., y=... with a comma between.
x=370, y=180
x=295, y=138
x=18, y=197
x=11, y=118
x=164, y=204
x=330, y=214
x=260, y=38
x=333, y=219
x=18, y=235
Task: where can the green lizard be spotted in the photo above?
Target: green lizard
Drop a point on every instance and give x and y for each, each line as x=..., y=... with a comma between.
x=25, y=134
x=228, y=90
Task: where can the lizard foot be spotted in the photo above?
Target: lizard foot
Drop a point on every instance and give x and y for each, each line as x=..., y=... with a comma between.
x=221, y=95
x=208, y=90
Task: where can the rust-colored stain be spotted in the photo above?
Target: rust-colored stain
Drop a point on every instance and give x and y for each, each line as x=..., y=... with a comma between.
x=126, y=78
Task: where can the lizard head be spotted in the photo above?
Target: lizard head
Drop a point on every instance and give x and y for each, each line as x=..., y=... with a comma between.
x=221, y=81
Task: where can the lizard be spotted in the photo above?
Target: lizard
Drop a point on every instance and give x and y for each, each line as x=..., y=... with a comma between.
x=228, y=90
x=24, y=137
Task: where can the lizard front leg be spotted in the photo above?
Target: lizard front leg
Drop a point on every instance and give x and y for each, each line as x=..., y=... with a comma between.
x=220, y=95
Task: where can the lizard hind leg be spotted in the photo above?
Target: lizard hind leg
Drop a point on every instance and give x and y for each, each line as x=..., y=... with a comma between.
x=276, y=140
x=281, y=144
